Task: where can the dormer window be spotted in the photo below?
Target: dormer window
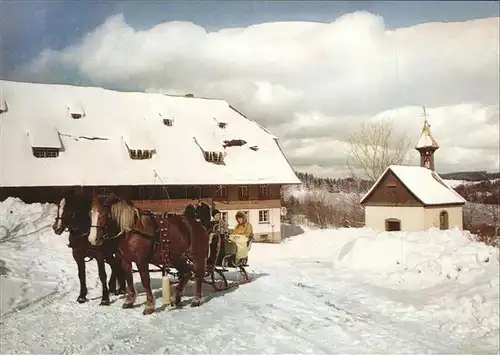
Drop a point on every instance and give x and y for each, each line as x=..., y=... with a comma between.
x=140, y=154
x=211, y=151
x=214, y=157
x=139, y=145
x=44, y=141
x=76, y=111
x=40, y=152
x=221, y=125
x=167, y=120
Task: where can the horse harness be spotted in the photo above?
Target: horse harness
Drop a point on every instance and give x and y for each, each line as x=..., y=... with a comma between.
x=160, y=239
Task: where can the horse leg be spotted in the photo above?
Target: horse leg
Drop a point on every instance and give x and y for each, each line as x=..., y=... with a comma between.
x=80, y=262
x=143, y=268
x=199, y=274
x=119, y=275
x=102, y=276
x=131, y=295
x=112, y=277
x=184, y=276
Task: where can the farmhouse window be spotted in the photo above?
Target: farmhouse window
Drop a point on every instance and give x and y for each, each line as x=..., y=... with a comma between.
x=222, y=125
x=243, y=192
x=392, y=224
x=263, y=190
x=45, y=152
x=197, y=191
x=391, y=185
x=101, y=191
x=264, y=216
x=168, y=122
x=443, y=220
x=221, y=191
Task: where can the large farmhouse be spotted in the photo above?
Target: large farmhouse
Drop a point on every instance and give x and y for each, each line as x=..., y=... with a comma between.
x=413, y=198
x=158, y=150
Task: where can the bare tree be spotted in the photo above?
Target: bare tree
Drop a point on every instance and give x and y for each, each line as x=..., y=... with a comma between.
x=493, y=214
x=319, y=206
x=374, y=147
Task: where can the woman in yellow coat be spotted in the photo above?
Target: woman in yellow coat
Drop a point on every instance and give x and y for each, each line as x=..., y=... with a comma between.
x=240, y=236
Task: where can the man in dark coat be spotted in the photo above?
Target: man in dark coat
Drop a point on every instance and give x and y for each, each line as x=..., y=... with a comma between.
x=199, y=211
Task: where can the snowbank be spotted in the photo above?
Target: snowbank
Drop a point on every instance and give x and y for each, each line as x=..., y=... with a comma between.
x=324, y=291
x=29, y=253
x=422, y=259
x=439, y=275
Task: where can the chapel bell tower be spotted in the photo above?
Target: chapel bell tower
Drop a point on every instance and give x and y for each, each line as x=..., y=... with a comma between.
x=426, y=145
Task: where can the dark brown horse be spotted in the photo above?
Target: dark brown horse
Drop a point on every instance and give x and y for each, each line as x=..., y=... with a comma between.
x=73, y=214
x=181, y=242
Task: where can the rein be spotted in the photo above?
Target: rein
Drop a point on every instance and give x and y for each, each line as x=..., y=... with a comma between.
x=107, y=235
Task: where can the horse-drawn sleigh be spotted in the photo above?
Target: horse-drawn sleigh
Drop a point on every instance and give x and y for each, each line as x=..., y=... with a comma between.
x=116, y=231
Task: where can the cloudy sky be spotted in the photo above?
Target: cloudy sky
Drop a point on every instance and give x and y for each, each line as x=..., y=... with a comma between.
x=309, y=71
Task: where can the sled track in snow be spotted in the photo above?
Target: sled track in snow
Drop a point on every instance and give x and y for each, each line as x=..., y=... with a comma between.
x=366, y=319
x=35, y=305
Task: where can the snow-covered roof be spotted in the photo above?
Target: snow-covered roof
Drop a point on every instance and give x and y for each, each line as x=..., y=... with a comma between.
x=94, y=147
x=426, y=139
x=42, y=136
x=425, y=184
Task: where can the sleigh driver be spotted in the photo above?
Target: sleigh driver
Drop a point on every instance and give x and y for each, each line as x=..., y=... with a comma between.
x=200, y=211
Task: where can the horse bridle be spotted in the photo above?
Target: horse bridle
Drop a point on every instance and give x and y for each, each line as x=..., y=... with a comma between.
x=106, y=235
x=68, y=226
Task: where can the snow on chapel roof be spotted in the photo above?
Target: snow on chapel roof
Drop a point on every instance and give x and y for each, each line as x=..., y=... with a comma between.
x=92, y=150
x=425, y=184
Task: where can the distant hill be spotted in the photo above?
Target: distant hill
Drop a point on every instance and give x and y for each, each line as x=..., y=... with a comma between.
x=310, y=180
x=471, y=176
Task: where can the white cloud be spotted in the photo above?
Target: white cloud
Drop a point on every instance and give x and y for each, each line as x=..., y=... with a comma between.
x=312, y=83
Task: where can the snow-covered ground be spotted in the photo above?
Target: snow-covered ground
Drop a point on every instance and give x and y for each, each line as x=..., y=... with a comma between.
x=325, y=291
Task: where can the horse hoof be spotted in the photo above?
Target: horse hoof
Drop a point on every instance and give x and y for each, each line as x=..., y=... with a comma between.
x=195, y=303
x=148, y=310
x=105, y=303
x=81, y=299
x=127, y=305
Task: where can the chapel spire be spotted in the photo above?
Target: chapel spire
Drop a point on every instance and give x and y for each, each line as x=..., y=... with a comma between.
x=426, y=145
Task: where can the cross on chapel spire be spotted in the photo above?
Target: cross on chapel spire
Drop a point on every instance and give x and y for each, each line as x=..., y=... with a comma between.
x=426, y=145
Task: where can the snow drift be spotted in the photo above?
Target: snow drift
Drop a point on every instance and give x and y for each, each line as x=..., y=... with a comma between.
x=29, y=254
x=324, y=291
